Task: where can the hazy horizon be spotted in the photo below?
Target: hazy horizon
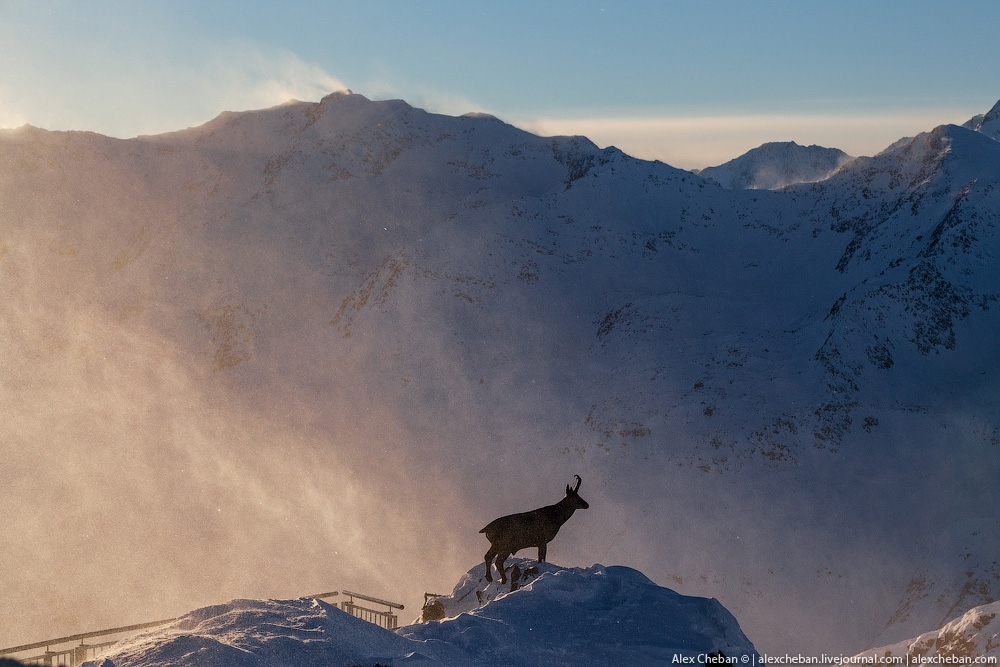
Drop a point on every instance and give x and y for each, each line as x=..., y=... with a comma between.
x=692, y=85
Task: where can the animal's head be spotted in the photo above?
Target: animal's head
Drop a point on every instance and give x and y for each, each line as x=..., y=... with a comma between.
x=574, y=498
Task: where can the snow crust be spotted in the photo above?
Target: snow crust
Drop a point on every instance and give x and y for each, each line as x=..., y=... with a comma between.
x=554, y=616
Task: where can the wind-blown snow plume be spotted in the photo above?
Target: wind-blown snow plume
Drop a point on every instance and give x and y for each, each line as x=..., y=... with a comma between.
x=778, y=165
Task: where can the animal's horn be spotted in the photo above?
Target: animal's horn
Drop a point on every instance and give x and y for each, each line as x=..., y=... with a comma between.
x=578, y=482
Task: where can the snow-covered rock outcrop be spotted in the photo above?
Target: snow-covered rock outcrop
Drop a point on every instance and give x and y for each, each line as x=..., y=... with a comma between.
x=555, y=616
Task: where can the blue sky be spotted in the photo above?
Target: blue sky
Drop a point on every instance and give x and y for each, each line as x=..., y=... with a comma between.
x=691, y=83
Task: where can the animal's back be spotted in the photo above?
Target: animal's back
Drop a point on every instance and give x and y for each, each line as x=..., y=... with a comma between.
x=494, y=524
x=516, y=525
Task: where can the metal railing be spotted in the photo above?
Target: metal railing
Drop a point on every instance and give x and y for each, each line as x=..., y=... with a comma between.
x=386, y=619
x=73, y=656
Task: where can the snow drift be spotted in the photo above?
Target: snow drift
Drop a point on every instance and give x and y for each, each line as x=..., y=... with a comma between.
x=553, y=616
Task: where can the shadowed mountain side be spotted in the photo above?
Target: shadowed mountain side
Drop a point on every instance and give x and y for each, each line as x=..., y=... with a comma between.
x=321, y=341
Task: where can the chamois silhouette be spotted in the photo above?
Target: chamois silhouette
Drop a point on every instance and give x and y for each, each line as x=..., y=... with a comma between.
x=509, y=534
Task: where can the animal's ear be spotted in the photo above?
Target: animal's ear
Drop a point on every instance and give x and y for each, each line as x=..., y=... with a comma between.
x=568, y=490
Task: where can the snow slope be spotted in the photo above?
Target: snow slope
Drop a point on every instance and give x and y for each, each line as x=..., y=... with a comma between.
x=328, y=342
x=558, y=616
x=777, y=165
x=974, y=634
x=988, y=123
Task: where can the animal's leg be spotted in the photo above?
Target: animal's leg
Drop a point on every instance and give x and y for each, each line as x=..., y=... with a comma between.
x=541, y=552
x=500, y=561
x=489, y=563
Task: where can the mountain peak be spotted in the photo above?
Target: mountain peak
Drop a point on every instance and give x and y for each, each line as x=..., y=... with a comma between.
x=344, y=92
x=987, y=123
x=479, y=114
x=778, y=164
x=993, y=114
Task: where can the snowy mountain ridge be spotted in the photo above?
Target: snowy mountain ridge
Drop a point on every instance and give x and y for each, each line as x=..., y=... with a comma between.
x=776, y=165
x=973, y=635
x=988, y=123
x=365, y=331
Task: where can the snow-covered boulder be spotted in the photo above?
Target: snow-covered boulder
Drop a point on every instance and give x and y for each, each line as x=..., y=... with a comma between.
x=579, y=616
x=554, y=616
